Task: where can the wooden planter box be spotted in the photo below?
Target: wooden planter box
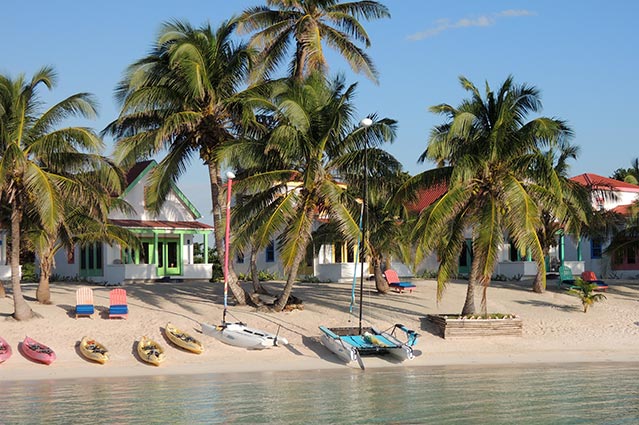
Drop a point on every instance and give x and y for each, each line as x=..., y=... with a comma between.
x=451, y=326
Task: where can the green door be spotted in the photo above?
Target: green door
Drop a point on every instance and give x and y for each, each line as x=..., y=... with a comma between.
x=169, y=257
x=91, y=260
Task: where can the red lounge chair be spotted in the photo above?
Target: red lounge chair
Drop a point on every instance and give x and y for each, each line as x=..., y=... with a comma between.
x=393, y=281
x=118, y=307
x=589, y=276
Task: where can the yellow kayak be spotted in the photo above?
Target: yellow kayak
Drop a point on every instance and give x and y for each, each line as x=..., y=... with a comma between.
x=182, y=339
x=93, y=350
x=150, y=351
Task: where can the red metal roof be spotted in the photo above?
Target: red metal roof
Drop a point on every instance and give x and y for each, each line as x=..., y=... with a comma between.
x=596, y=181
x=425, y=197
x=161, y=224
x=135, y=171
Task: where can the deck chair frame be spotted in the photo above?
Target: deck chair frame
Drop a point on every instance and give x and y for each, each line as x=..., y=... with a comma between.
x=118, y=304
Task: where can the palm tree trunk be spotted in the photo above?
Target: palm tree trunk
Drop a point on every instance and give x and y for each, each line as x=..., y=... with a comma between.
x=43, y=293
x=217, y=200
x=380, y=283
x=292, y=275
x=300, y=59
x=539, y=282
x=469, y=304
x=22, y=309
x=258, y=288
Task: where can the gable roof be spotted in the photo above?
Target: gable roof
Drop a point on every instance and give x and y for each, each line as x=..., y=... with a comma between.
x=140, y=170
x=596, y=181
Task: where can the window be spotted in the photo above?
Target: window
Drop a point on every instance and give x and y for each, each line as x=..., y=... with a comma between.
x=270, y=252
x=595, y=248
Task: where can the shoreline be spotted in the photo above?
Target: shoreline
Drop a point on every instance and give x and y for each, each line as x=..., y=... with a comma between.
x=555, y=330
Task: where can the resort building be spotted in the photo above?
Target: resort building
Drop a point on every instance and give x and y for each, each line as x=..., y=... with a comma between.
x=166, y=240
x=577, y=253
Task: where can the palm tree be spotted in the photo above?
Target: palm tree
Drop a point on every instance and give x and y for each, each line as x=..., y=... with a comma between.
x=33, y=148
x=486, y=153
x=585, y=291
x=180, y=98
x=316, y=139
x=567, y=214
x=309, y=23
x=628, y=175
x=83, y=219
x=387, y=222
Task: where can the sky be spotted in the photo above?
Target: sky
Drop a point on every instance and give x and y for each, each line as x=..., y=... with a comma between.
x=582, y=56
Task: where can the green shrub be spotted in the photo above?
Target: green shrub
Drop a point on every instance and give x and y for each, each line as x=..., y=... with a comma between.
x=29, y=273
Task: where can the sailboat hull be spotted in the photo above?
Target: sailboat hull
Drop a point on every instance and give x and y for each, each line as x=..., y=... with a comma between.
x=239, y=335
x=348, y=344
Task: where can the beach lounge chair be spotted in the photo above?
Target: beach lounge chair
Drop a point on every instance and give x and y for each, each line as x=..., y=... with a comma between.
x=84, y=302
x=589, y=276
x=118, y=306
x=393, y=281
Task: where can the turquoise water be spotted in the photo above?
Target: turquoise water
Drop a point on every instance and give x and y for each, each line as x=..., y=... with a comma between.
x=549, y=394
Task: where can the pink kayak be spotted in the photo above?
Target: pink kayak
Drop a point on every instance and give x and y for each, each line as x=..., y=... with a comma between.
x=5, y=350
x=37, y=351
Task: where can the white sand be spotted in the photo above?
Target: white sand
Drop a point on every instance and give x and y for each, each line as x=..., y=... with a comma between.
x=555, y=328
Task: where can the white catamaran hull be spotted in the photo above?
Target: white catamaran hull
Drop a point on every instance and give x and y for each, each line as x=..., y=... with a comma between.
x=342, y=349
x=350, y=346
x=239, y=335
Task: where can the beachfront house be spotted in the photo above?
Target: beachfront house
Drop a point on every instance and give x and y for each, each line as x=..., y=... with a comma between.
x=332, y=262
x=577, y=253
x=166, y=240
x=586, y=254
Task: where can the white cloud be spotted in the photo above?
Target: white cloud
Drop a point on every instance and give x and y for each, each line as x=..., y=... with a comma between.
x=442, y=25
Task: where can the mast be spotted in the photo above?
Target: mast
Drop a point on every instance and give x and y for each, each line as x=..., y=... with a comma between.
x=365, y=123
x=227, y=241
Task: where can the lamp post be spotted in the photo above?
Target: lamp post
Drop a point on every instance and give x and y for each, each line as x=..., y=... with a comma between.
x=227, y=239
x=365, y=124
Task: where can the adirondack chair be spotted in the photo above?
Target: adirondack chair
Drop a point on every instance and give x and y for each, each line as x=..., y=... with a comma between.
x=118, y=305
x=393, y=281
x=566, y=279
x=84, y=302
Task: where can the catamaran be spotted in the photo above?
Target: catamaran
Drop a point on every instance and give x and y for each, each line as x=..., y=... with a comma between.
x=237, y=334
x=351, y=343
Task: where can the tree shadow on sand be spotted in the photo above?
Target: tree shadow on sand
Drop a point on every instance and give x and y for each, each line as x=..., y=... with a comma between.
x=546, y=304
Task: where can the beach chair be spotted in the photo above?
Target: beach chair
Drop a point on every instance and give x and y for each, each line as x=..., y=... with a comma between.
x=590, y=276
x=393, y=282
x=118, y=306
x=84, y=302
x=566, y=279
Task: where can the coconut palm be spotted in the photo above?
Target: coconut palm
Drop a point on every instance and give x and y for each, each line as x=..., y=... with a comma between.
x=585, y=291
x=567, y=214
x=628, y=175
x=83, y=219
x=486, y=152
x=310, y=24
x=33, y=148
x=179, y=99
x=315, y=137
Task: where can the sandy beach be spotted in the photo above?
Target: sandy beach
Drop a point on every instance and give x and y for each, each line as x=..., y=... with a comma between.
x=555, y=329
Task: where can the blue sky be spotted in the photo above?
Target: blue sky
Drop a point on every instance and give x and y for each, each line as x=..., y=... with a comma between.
x=581, y=55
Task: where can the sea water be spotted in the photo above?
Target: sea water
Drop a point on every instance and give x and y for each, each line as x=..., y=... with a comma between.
x=536, y=394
